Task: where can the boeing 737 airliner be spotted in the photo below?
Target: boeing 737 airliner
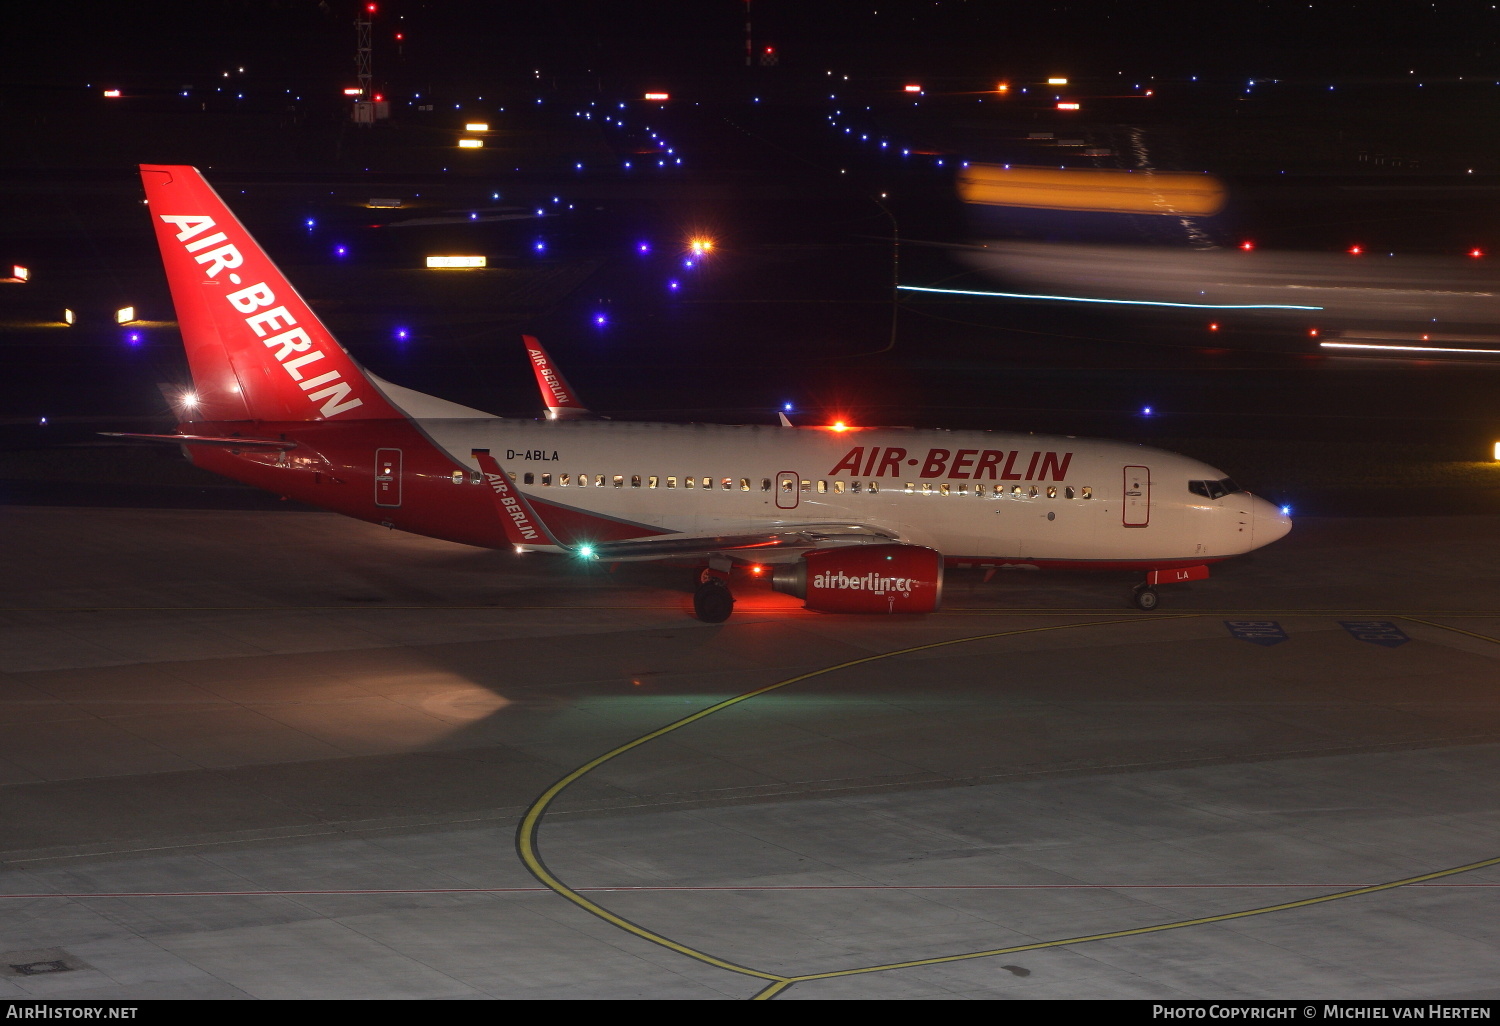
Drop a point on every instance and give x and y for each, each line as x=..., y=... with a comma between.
x=860, y=520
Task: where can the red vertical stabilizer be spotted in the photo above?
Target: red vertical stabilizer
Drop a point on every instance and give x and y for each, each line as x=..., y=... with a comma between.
x=256, y=350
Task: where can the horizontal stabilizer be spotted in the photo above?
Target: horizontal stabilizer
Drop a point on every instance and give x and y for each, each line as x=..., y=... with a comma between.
x=214, y=440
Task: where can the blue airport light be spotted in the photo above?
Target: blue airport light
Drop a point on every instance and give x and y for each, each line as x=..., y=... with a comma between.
x=1145, y=411
x=674, y=285
x=540, y=246
x=586, y=551
x=787, y=407
x=644, y=247
x=341, y=251
x=402, y=334
x=134, y=338
x=600, y=320
x=310, y=223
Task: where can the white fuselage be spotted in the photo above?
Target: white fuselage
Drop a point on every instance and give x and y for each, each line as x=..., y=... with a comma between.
x=989, y=497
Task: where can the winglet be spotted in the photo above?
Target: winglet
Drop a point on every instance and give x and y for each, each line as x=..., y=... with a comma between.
x=557, y=395
x=785, y=420
x=522, y=526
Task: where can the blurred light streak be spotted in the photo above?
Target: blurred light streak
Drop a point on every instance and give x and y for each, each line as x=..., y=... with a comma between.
x=1121, y=302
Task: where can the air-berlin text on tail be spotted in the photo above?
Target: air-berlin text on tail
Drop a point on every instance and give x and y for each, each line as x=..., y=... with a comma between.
x=961, y=465
x=549, y=376
x=335, y=392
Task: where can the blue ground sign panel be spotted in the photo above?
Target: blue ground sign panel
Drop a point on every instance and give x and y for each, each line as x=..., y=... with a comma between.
x=1257, y=632
x=1376, y=632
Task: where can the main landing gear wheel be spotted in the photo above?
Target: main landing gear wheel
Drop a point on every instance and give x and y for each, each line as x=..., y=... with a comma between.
x=1145, y=597
x=712, y=602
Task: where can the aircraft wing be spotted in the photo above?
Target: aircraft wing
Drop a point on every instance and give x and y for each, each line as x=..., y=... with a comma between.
x=557, y=395
x=212, y=440
x=766, y=545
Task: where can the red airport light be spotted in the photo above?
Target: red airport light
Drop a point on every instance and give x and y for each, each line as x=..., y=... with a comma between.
x=1313, y=332
x=1213, y=327
x=1247, y=245
x=1476, y=252
x=399, y=37
x=370, y=8
x=379, y=97
x=1355, y=250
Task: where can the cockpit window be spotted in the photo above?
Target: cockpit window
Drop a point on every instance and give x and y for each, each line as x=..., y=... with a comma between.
x=1214, y=489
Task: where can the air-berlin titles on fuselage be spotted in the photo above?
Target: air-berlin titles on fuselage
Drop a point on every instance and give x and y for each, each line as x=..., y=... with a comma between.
x=962, y=465
x=255, y=297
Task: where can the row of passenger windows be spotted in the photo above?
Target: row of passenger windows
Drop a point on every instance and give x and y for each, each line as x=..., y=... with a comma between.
x=788, y=485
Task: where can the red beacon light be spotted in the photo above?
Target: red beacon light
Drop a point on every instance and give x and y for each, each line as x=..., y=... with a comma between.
x=1476, y=252
x=1312, y=332
x=838, y=425
x=1247, y=245
x=1214, y=326
x=1355, y=250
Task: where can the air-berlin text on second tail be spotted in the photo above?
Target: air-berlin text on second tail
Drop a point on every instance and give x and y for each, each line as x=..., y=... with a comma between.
x=959, y=464
x=217, y=254
x=549, y=377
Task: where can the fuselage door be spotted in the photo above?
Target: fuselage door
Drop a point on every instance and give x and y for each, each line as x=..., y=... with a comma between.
x=388, y=477
x=1137, y=506
x=787, y=495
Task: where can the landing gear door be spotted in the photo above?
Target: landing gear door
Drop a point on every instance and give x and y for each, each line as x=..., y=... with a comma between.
x=787, y=495
x=1137, y=504
x=388, y=477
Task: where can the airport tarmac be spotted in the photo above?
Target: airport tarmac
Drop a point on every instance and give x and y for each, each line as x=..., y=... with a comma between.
x=288, y=755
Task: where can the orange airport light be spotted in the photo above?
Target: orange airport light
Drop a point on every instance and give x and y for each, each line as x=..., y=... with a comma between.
x=1057, y=81
x=112, y=93
x=1067, y=106
x=1497, y=450
x=353, y=91
x=456, y=261
x=68, y=316
x=658, y=96
x=914, y=89
x=470, y=144
x=477, y=126
x=1003, y=87
x=19, y=273
x=125, y=315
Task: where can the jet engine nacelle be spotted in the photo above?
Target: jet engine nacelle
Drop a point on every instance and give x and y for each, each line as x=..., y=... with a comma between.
x=865, y=579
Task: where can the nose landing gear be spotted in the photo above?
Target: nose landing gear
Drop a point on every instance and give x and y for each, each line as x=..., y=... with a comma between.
x=1144, y=595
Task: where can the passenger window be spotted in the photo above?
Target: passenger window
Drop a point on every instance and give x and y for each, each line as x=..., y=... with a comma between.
x=765, y=485
x=708, y=482
x=726, y=484
x=874, y=487
x=512, y=475
x=806, y=485
x=599, y=481
x=943, y=489
x=1051, y=491
x=528, y=479
x=963, y=489
x=1015, y=491
x=1086, y=492
x=786, y=484
x=546, y=480
x=651, y=481
x=744, y=484
x=910, y=488
x=458, y=477
x=838, y=488
x=822, y=487
x=671, y=482
x=635, y=480
x=854, y=487
x=619, y=480
x=1032, y=493
x=562, y=480
x=926, y=488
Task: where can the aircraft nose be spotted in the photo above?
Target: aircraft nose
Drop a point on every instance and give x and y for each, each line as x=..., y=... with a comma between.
x=1269, y=521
